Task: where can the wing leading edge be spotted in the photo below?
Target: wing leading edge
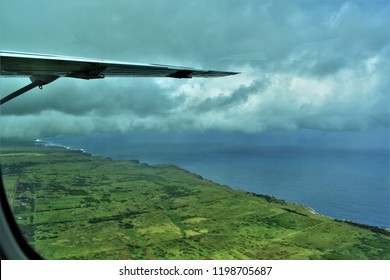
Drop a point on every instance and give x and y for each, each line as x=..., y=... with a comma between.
x=44, y=69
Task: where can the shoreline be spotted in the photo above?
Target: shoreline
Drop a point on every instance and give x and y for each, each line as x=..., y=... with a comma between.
x=309, y=208
x=51, y=144
x=165, y=211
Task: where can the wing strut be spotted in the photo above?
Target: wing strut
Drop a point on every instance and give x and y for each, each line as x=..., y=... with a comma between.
x=36, y=81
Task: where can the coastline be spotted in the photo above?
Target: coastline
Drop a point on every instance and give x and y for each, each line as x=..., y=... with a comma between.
x=51, y=144
x=310, y=209
x=165, y=212
x=345, y=184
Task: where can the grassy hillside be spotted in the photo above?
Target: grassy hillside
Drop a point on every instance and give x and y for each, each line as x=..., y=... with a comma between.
x=71, y=205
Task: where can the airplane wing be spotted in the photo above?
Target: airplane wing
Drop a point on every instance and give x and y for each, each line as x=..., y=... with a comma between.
x=43, y=69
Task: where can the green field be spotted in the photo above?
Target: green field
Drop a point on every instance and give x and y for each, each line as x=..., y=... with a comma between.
x=71, y=205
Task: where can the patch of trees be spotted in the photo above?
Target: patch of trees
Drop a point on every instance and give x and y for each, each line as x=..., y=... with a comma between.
x=371, y=228
x=72, y=191
x=269, y=198
x=17, y=167
x=176, y=191
x=117, y=218
x=295, y=212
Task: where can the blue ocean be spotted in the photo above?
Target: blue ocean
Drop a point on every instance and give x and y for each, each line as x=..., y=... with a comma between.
x=338, y=175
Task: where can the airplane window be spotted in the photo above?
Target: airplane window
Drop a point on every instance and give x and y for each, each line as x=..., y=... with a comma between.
x=269, y=140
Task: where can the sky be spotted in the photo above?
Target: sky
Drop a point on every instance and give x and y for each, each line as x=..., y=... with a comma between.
x=305, y=65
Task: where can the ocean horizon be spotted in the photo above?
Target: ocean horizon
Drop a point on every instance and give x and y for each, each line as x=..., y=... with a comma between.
x=349, y=182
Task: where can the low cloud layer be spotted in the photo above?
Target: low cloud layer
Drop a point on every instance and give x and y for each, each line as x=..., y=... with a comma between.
x=308, y=64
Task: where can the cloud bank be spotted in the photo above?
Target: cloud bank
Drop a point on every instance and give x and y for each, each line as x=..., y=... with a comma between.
x=320, y=65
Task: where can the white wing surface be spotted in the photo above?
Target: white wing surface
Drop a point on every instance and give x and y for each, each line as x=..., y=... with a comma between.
x=43, y=69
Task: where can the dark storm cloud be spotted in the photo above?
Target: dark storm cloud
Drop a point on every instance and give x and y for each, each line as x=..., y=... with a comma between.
x=79, y=98
x=223, y=102
x=305, y=64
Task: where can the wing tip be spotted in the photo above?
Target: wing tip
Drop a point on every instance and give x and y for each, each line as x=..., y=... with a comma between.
x=233, y=73
x=220, y=73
